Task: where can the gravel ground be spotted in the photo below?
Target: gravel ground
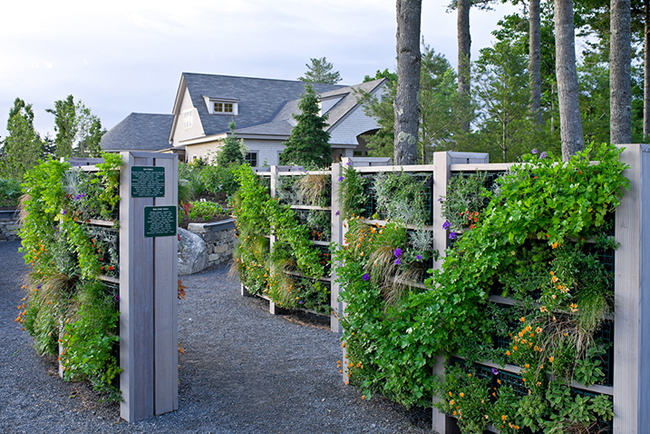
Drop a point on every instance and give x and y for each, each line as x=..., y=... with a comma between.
x=244, y=371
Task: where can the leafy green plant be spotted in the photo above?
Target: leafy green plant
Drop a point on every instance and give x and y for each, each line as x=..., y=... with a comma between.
x=89, y=340
x=9, y=192
x=206, y=210
x=352, y=199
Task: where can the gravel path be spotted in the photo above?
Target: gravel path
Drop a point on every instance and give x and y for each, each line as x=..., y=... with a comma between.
x=244, y=371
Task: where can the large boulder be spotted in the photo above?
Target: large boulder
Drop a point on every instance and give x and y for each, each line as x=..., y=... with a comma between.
x=192, y=253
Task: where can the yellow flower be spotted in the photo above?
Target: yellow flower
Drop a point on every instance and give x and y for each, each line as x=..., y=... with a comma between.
x=462, y=395
x=550, y=359
x=554, y=245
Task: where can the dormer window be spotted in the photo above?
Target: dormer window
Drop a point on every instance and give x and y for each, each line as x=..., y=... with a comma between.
x=222, y=106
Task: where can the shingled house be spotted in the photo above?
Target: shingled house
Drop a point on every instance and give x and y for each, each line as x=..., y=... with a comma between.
x=262, y=110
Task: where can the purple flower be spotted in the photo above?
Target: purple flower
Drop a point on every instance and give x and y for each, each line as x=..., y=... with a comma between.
x=338, y=212
x=398, y=252
x=117, y=298
x=348, y=163
x=439, y=199
x=300, y=302
x=452, y=235
x=534, y=151
x=398, y=261
x=79, y=196
x=542, y=155
x=341, y=178
x=445, y=225
x=495, y=371
x=64, y=211
x=38, y=286
x=418, y=257
x=366, y=276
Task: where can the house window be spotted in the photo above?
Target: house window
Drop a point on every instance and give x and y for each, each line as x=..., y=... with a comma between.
x=251, y=159
x=187, y=119
x=223, y=107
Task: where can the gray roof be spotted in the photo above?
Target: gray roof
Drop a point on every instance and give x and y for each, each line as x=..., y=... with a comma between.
x=139, y=131
x=260, y=99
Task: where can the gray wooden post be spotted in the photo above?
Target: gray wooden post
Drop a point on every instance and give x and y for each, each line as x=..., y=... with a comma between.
x=632, y=288
x=148, y=298
x=337, y=237
x=441, y=174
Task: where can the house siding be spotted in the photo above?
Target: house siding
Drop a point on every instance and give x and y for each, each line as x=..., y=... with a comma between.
x=181, y=133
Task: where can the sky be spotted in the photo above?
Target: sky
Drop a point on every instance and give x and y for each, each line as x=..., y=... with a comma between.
x=120, y=57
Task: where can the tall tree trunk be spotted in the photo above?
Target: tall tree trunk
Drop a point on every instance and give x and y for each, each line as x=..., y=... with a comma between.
x=620, y=89
x=567, y=80
x=535, y=62
x=409, y=61
x=646, y=70
x=464, y=57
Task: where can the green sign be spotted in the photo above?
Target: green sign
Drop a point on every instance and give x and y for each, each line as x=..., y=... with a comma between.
x=160, y=221
x=147, y=181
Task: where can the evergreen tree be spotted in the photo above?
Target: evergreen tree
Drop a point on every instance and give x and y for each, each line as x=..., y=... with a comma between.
x=308, y=143
x=22, y=147
x=232, y=149
x=320, y=71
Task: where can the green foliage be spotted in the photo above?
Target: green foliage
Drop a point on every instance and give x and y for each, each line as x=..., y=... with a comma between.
x=401, y=197
x=22, y=147
x=320, y=71
x=531, y=242
x=232, y=149
x=287, y=275
x=439, y=103
x=206, y=210
x=89, y=340
x=78, y=131
x=465, y=201
x=308, y=143
x=352, y=196
x=9, y=192
x=67, y=259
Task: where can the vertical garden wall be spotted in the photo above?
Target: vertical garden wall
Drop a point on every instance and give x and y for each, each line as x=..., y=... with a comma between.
x=510, y=294
x=100, y=236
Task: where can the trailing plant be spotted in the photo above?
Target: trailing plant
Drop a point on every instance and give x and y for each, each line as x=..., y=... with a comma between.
x=352, y=199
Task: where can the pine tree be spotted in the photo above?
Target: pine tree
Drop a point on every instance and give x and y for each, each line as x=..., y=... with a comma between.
x=320, y=71
x=231, y=151
x=308, y=143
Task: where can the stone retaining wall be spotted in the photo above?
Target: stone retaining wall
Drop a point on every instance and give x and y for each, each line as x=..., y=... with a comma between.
x=9, y=225
x=219, y=238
